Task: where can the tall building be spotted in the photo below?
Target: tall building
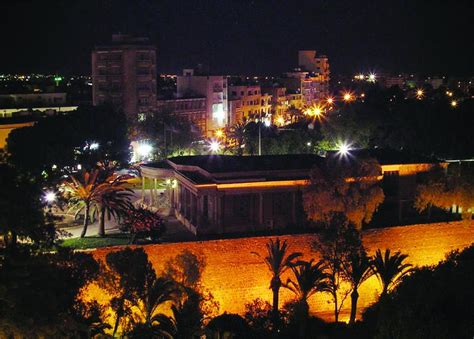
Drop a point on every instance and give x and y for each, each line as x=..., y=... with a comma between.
x=310, y=79
x=124, y=74
x=214, y=89
x=310, y=62
x=250, y=100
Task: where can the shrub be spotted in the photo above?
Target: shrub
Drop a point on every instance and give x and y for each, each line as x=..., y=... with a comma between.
x=143, y=224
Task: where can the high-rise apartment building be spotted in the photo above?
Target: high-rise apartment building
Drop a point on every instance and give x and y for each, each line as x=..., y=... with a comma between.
x=124, y=74
x=214, y=89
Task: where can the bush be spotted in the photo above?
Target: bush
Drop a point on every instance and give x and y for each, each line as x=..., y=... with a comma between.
x=143, y=224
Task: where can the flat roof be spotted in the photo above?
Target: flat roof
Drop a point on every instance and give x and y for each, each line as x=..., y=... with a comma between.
x=230, y=163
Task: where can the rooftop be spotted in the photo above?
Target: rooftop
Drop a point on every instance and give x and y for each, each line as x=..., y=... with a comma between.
x=229, y=163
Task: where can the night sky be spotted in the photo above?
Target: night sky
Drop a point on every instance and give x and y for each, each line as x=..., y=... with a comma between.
x=244, y=37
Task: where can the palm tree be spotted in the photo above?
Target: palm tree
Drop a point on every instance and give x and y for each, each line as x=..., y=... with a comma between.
x=237, y=136
x=310, y=278
x=157, y=293
x=85, y=191
x=356, y=269
x=115, y=199
x=390, y=269
x=278, y=261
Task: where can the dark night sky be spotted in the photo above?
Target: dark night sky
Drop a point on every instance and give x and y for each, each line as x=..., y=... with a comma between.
x=260, y=36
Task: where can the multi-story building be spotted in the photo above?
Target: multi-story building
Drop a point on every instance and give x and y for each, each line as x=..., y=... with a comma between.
x=310, y=79
x=248, y=102
x=191, y=109
x=211, y=87
x=124, y=74
x=310, y=62
x=279, y=100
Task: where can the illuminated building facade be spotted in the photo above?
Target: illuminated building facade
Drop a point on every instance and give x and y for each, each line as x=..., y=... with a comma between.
x=124, y=74
x=226, y=194
x=211, y=87
x=248, y=102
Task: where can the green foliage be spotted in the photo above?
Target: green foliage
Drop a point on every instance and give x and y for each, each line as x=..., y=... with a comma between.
x=38, y=294
x=432, y=302
x=349, y=187
x=22, y=210
x=195, y=304
x=443, y=189
x=335, y=244
x=390, y=269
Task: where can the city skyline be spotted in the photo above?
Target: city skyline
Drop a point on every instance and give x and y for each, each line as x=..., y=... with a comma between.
x=243, y=38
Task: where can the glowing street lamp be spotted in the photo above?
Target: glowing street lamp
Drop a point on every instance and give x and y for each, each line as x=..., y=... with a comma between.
x=347, y=96
x=454, y=103
x=420, y=93
x=214, y=146
x=280, y=121
x=50, y=197
x=343, y=148
x=219, y=133
x=330, y=100
x=144, y=150
x=372, y=77
x=93, y=146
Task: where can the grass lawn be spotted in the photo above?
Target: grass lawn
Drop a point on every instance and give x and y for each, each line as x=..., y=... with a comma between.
x=96, y=241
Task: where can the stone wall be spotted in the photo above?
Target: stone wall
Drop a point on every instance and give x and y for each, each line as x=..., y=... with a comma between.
x=235, y=276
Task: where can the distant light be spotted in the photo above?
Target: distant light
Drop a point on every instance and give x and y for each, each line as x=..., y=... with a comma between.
x=347, y=96
x=214, y=146
x=144, y=149
x=372, y=77
x=79, y=167
x=308, y=143
x=362, y=95
x=280, y=120
x=94, y=146
x=54, y=167
x=50, y=196
x=420, y=93
x=330, y=100
x=267, y=122
x=454, y=103
x=318, y=111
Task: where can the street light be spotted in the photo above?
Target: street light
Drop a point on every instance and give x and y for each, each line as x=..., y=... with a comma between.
x=420, y=93
x=94, y=146
x=343, y=148
x=454, y=103
x=372, y=77
x=144, y=149
x=214, y=146
x=347, y=96
x=49, y=197
x=219, y=133
x=330, y=100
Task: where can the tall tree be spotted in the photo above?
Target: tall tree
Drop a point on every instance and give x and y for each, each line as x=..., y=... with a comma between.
x=356, y=270
x=390, y=269
x=335, y=243
x=278, y=260
x=445, y=188
x=346, y=186
x=309, y=278
x=22, y=212
x=194, y=304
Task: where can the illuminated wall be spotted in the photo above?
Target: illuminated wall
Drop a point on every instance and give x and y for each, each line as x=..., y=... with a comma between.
x=236, y=277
